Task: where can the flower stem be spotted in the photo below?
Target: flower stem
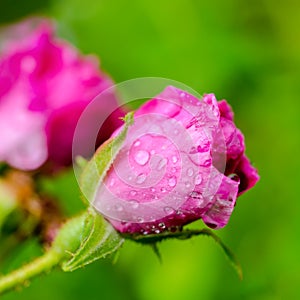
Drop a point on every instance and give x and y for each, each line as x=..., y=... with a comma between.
x=66, y=242
x=20, y=277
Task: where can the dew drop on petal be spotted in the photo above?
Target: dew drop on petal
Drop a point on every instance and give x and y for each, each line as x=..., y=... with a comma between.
x=133, y=193
x=163, y=190
x=172, y=181
x=190, y=172
x=162, y=225
x=174, y=159
x=234, y=177
x=204, y=147
x=137, y=143
x=197, y=196
x=187, y=184
x=134, y=204
x=140, y=220
x=206, y=163
x=142, y=157
x=193, y=150
x=118, y=207
x=169, y=210
x=162, y=163
x=198, y=179
x=141, y=178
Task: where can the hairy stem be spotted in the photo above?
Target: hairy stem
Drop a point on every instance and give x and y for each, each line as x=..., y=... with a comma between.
x=21, y=276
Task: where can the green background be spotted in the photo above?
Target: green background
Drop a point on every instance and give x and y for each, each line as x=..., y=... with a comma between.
x=245, y=51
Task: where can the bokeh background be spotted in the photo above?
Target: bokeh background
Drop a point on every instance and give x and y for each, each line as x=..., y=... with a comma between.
x=245, y=51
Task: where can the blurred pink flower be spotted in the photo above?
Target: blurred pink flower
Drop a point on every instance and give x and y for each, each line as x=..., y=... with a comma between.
x=45, y=84
x=183, y=159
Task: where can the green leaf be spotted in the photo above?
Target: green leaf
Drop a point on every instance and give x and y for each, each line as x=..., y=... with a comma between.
x=152, y=239
x=97, y=167
x=99, y=239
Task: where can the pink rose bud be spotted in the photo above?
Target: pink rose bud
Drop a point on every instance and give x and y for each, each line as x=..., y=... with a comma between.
x=45, y=84
x=183, y=160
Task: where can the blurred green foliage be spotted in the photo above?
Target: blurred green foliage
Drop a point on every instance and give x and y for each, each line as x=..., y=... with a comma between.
x=245, y=51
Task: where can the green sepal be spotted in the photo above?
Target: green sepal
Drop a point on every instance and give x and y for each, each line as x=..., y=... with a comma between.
x=98, y=240
x=96, y=169
x=68, y=238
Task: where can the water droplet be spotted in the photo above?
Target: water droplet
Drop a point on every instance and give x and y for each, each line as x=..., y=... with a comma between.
x=190, y=172
x=141, y=178
x=130, y=178
x=234, y=177
x=118, y=207
x=174, y=159
x=140, y=220
x=163, y=190
x=187, y=184
x=162, y=225
x=182, y=95
x=169, y=210
x=137, y=143
x=133, y=193
x=145, y=232
x=162, y=163
x=112, y=182
x=196, y=195
x=203, y=147
x=193, y=150
x=206, y=163
x=198, y=179
x=152, y=189
x=174, y=228
x=134, y=204
x=142, y=157
x=157, y=231
x=172, y=181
